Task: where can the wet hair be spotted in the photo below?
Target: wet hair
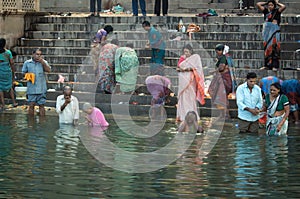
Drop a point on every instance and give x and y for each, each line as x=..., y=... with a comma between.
x=114, y=41
x=251, y=75
x=191, y=113
x=273, y=2
x=86, y=106
x=146, y=24
x=2, y=45
x=130, y=45
x=67, y=87
x=220, y=47
x=108, y=28
x=278, y=86
x=189, y=47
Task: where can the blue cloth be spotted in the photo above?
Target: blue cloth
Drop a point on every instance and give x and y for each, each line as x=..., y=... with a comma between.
x=5, y=71
x=39, y=86
x=265, y=83
x=135, y=7
x=158, y=46
x=93, y=5
x=155, y=39
x=40, y=99
x=246, y=99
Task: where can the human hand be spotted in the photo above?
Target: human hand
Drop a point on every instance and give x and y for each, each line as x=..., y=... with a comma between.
x=279, y=126
x=39, y=59
x=256, y=111
x=67, y=99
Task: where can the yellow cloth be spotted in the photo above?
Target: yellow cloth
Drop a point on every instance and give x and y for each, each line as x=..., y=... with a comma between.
x=30, y=77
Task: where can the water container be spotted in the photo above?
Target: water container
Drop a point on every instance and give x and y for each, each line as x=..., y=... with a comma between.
x=180, y=25
x=183, y=29
x=21, y=92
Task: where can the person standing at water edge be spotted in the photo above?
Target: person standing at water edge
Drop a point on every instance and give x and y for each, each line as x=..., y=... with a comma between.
x=7, y=71
x=135, y=7
x=249, y=101
x=67, y=107
x=158, y=45
x=34, y=70
x=190, y=83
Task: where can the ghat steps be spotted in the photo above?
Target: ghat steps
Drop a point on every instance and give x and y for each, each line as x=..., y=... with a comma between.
x=65, y=42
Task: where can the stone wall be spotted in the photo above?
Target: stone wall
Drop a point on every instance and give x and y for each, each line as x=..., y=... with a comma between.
x=12, y=28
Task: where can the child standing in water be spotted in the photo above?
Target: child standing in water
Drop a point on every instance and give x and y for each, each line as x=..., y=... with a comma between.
x=190, y=123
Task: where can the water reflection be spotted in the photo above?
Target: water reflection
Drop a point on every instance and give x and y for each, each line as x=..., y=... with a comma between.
x=39, y=158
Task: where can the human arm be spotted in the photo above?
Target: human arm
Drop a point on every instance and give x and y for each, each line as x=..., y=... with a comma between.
x=285, y=117
x=261, y=5
x=65, y=104
x=155, y=39
x=286, y=112
x=281, y=6
x=76, y=114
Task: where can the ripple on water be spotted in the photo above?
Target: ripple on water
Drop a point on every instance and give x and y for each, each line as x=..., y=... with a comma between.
x=41, y=159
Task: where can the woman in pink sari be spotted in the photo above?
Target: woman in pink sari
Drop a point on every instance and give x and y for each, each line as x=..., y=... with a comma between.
x=190, y=83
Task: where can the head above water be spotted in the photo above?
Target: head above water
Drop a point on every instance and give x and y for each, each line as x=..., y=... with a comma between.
x=67, y=90
x=275, y=88
x=191, y=117
x=87, y=108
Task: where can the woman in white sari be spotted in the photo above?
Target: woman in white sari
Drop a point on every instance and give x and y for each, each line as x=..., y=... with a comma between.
x=277, y=111
x=190, y=83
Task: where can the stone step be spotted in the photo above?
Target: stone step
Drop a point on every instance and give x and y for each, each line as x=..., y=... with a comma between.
x=232, y=36
x=170, y=73
x=241, y=63
x=187, y=18
x=169, y=61
x=235, y=53
x=145, y=71
x=206, y=44
x=230, y=27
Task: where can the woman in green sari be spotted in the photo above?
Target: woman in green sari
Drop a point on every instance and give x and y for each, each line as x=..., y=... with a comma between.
x=6, y=73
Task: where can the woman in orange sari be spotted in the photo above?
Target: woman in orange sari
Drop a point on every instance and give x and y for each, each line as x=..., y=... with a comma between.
x=190, y=83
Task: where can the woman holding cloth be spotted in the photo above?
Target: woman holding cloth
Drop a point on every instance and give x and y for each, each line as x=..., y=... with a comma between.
x=190, y=83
